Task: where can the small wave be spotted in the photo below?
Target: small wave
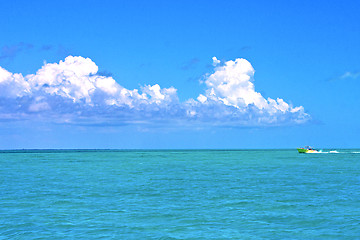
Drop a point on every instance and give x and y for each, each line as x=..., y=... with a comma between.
x=355, y=152
x=333, y=151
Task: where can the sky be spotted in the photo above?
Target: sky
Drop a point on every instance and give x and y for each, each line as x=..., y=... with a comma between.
x=179, y=74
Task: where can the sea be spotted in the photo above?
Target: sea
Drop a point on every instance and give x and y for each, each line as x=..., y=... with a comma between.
x=179, y=194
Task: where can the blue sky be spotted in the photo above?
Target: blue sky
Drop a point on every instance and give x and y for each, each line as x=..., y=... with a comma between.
x=305, y=53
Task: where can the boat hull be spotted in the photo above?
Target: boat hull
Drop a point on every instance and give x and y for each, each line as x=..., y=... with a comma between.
x=304, y=150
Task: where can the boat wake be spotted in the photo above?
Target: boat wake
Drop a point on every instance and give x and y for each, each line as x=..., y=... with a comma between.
x=308, y=149
x=334, y=151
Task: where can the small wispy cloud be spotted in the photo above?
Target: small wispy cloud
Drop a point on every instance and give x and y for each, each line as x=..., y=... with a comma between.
x=11, y=51
x=351, y=75
x=192, y=63
x=245, y=48
x=73, y=91
x=63, y=51
x=346, y=76
x=105, y=73
x=46, y=47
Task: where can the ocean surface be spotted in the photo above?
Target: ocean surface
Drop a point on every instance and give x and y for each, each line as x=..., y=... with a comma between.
x=175, y=194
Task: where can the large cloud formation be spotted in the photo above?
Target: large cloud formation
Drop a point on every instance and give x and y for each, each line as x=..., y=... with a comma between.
x=72, y=91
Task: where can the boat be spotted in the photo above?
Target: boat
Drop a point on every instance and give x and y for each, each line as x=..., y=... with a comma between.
x=307, y=149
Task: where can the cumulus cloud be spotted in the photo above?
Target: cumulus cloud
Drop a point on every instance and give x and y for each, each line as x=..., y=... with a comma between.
x=73, y=91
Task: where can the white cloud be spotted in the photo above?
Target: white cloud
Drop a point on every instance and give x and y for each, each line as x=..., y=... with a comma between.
x=215, y=61
x=71, y=90
x=232, y=84
x=352, y=75
x=230, y=98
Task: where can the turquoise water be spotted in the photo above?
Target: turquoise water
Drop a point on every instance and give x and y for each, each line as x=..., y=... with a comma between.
x=255, y=194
